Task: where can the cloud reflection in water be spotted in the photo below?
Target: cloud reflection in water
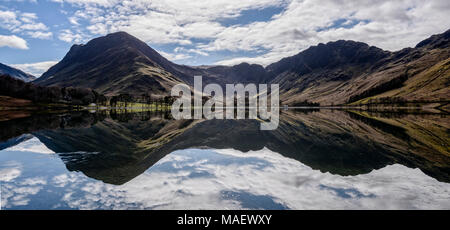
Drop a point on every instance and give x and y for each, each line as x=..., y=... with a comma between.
x=213, y=179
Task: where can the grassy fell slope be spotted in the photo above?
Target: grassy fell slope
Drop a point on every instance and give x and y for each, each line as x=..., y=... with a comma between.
x=419, y=73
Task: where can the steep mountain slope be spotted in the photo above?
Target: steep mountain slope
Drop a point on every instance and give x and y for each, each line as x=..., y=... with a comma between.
x=346, y=71
x=427, y=72
x=16, y=73
x=113, y=64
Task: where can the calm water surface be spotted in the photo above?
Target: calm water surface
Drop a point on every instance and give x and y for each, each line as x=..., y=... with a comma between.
x=314, y=160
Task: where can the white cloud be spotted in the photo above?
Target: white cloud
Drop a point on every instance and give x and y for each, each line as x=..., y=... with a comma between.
x=162, y=21
x=24, y=23
x=391, y=25
x=28, y=17
x=10, y=170
x=8, y=20
x=33, y=1
x=88, y=2
x=36, y=69
x=174, y=57
x=13, y=41
x=9, y=174
x=32, y=26
x=387, y=24
x=63, y=180
x=34, y=181
x=71, y=37
x=40, y=34
x=193, y=51
x=73, y=20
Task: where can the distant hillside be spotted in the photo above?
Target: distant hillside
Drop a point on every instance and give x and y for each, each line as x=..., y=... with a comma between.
x=16, y=73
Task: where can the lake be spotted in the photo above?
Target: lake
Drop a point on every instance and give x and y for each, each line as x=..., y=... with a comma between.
x=315, y=159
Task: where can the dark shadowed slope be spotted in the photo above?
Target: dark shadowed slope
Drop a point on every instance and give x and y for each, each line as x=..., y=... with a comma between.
x=16, y=73
x=113, y=64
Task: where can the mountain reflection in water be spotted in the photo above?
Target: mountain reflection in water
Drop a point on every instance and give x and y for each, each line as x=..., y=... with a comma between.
x=315, y=159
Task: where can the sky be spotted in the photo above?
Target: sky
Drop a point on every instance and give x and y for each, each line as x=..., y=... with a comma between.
x=36, y=34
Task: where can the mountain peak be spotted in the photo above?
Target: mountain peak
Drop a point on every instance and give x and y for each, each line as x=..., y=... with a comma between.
x=113, y=39
x=335, y=53
x=115, y=45
x=117, y=39
x=113, y=64
x=117, y=36
x=121, y=34
x=436, y=41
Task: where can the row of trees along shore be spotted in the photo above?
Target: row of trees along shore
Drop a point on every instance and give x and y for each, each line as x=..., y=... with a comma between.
x=17, y=88
x=126, y=100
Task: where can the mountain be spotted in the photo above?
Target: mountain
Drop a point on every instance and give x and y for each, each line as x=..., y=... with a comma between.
x=114, y=64
x=16, y=73
x=338, y=72
x=348, y=72
x=120, y=63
